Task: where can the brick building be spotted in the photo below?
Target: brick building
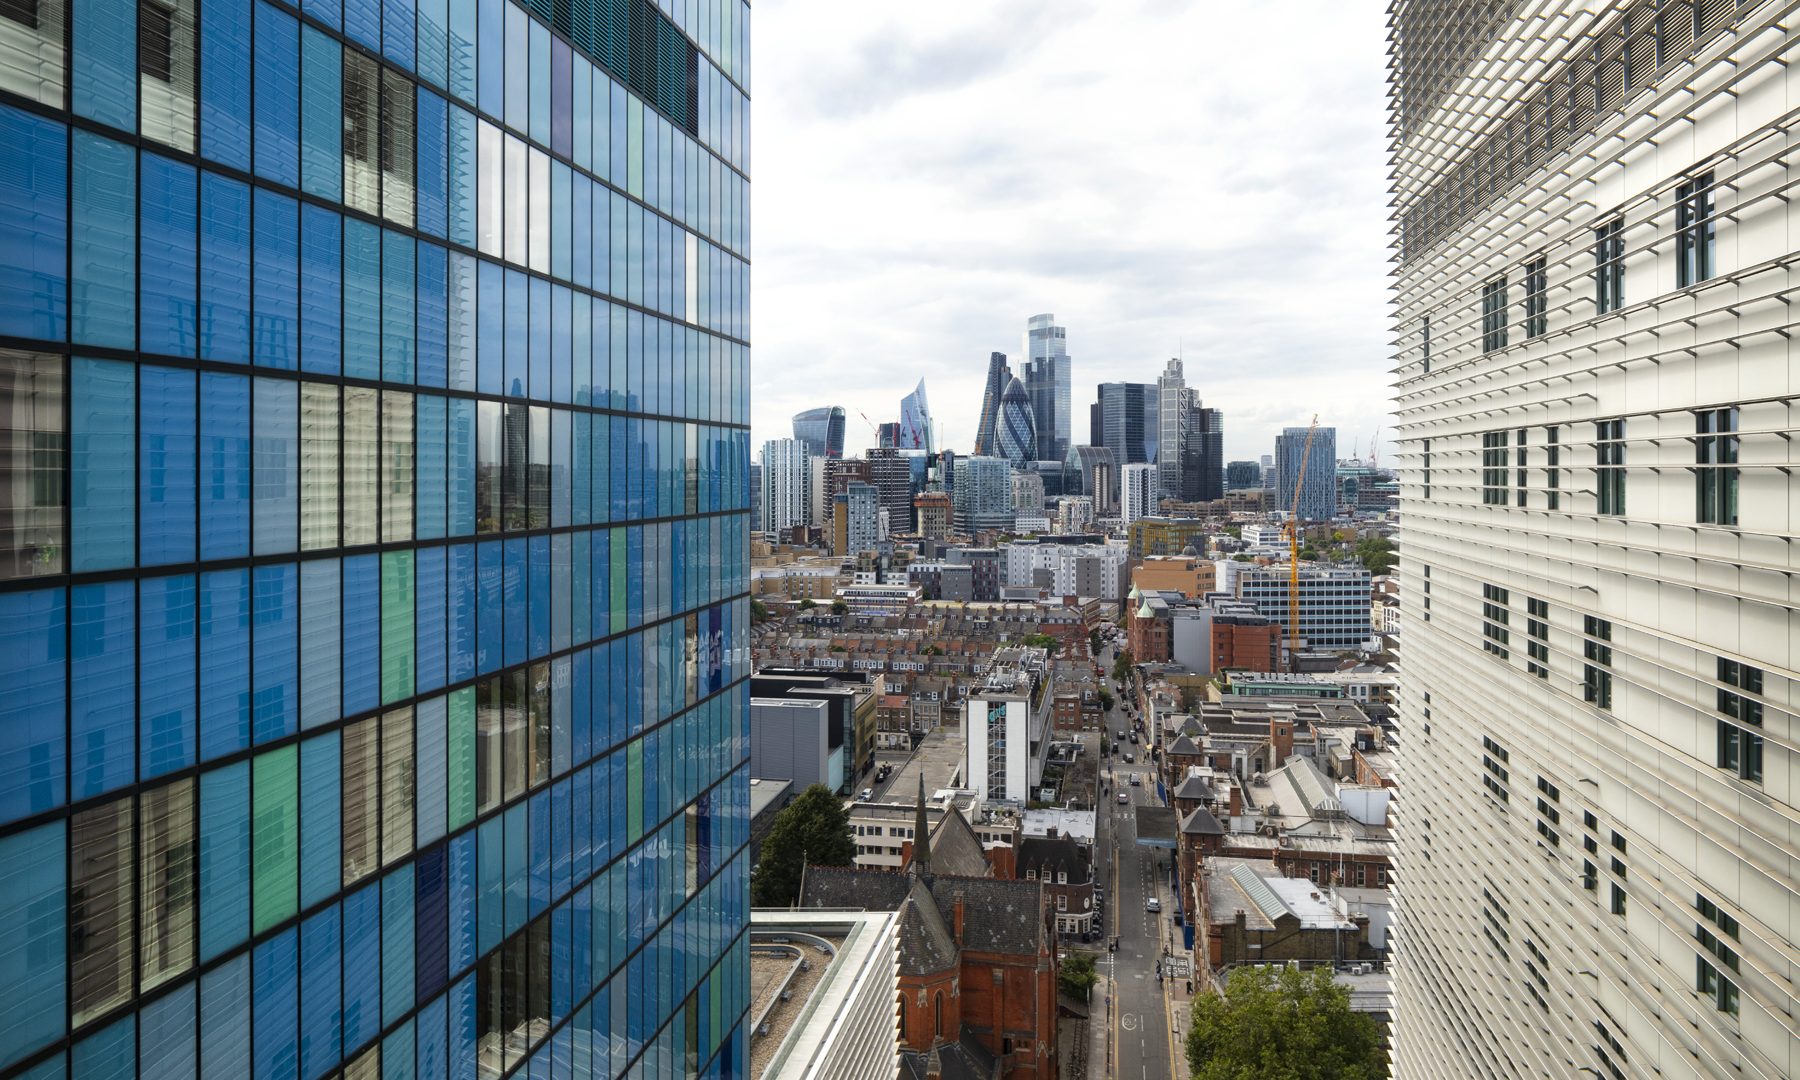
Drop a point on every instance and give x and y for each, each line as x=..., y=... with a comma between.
x=1189, y=575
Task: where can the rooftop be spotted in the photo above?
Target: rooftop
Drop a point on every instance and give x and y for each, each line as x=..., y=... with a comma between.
x=804, y=1028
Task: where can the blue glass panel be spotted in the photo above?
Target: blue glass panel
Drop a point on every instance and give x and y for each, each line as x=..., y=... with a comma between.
x=168, y=195
x=562, y=131
x=32, y=923
x=429, y=502
x=461, y=321
x=225, y=466
x=104, y=202
x=276, y=308
x=431, y=756
x=277, y=975
x=397, y=1054
x=321, y=115
x=362, y=23
x=461, y=65
x=537, y=815
x=167, y=1027
x=433, y=204
x=225, y=82
x=320, y=649
x=492, y=55
x=538, y=618
x=462, y=1029
x=490, y=638
x=581, y=474
x=362, y=968
x=32, y=739
x=518, y=76
x=461, y=467
x=275, y=486
x=396, y=944
x=463, y=887
x=518, y=317
x=539, y=74
x=362, y=633
x=433, y=313
x=490, y=920
x=539, y=349
x=460, y=178
x=462, y=612
x=276, y=656
x=321, y=865
x=362, y=299
x=224, y=1017
x=277, y=95
x=562, y=969
x=429, y=615
x=105, y=76
x=433, y=38
x=321, y=964
x=397, y=33
x=224, y=617
x=561, y=855
x=321, y=290
x=582, y=115
x=224, y=859
x=34, y=226
x=396, y=307
x=102, y=487
x=108, y=1053
x=102, y=648
x=224, y=269
x=433, y=1046
x=167, y=709
x=513, y=584
x=491, y=327
x=329, y=12
x=517, y=855
x=560, y=422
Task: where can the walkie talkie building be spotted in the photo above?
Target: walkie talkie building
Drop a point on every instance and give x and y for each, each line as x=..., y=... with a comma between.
x=373, y=525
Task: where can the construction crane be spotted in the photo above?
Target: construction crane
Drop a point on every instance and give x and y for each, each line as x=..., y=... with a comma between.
x=1293, y=530
x=1375, y=449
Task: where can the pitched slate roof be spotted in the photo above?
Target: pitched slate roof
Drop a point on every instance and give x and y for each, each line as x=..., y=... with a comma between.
x=926, y=944
x=1202, y=823
x=1185, y=745
x=955, y=849
x=998, y=916
x=1043, y=853
x=965, y=1059
x=1193, y=787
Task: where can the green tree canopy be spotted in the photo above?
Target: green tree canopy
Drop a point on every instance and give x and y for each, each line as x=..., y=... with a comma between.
x=1106, y=699
x=1075, y=976
x=838, y=607
x=1291, y=1025
x=1122, y=665
x=808, y=604
x=814, y=828
x=759, y=612
x=1043, y=641
x=1376, y=553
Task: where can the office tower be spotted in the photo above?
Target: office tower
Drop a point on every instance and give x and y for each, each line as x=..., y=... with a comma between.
x=1015, y=437
x=788, y=479
x=1172, y=407
x=1267, y=461
x=1130, y=421
x=1203, y=455
x=983, y=494
x=373, y=707
x=1334, y=602
x=1604, y=728
x=1240, y=475
x=987, y=424
x=1028, y=494
x=891, y=474
x=1318, y=495
x=933, y=513
x=915, y=422
x=822, y=430
x=853, y=518
x=887, y=435
x=1090, y=471
x=1048, y=384
x=1138, y=496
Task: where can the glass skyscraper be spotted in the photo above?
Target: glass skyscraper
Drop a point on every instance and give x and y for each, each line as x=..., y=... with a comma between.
x=373, y=538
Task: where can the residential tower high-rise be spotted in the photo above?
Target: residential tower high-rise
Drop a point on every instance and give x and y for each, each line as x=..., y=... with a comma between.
x=822, y=430
x=787, y=485
x=1596, y=838
x=1138, y=495
x=373, y=575
x=1318, y=494
x=983, y=494
x=1048, y=383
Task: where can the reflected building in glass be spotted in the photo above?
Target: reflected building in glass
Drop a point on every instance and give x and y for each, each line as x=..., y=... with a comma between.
x=373, y=538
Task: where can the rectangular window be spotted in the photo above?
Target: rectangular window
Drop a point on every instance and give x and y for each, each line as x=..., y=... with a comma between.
x=1740, y=748
x=1715, y=466
x=1493, y=315
x=166, y=72
x=1537, y=627
x=166, y=867
x=1520, y=473
x=1609, y=266
x=1494, y=468
x=488, y=719
x=362, y=468
x=100, y=910
x=398, y=111
x=32, y=452
x=1609, y=467
x=397, y=785
x=31, y=49
x=362, y=800
x=396, y=466
x=1694, y=226
x=318, y=466
x=1537, y=297
x=1552, y=468
x=1618, y=899
x=1495, y=615
x=1717, y=957
x=1425, y=341
x=362, y=132
x=1425, y=455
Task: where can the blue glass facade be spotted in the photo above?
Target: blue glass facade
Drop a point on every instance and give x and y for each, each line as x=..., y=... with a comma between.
x=373, y=539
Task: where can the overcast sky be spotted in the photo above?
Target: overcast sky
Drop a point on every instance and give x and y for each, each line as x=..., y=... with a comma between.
x=1163, y=175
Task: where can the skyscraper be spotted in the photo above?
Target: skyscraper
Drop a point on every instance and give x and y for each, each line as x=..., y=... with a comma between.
x=998, y=376
x=1015, y=434
x=1172, y=406
x=787, y=485
x=1048, y=384
x=1203, y=454
x=1137, y=492
x=822, y=430
x=373, y=635
x=915, y=422
x=1596, y=839
x=1130, y=421
x=891, y=476
x=983, y=493
x=1318, y=495
x=1090, y=471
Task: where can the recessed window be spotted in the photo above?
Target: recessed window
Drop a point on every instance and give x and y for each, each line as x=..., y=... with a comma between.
x=1609, y=466
x=1493, y=314
x=1537, y=297
x=1609, y=266
x=1694, y=228
x=33, y=445
x=1715, y=466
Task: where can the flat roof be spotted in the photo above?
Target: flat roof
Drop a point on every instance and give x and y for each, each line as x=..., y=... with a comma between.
x=804, y=1030
x=763, y=792
x=939, y=759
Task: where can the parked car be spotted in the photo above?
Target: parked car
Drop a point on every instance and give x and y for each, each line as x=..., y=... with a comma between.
x=865, y=794
x=1129, y=759
x=1151, y=903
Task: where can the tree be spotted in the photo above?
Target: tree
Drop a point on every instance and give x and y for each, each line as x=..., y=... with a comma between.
x=759, y=612
x=1106, y=700
x=814, y=828
x=1122, y=665
x=1075, y=976
x=1289, y=1026
x=1376, y=553
x=838, y=607
x=1043, y=641
x=808, y=604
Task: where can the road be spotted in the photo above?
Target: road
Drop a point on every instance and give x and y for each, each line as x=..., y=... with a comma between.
x=1138, y=1024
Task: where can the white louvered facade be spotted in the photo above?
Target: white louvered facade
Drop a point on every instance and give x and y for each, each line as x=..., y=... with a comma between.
x=1598, y=637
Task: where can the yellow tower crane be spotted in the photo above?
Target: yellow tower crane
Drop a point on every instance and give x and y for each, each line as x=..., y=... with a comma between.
x=1293, y=531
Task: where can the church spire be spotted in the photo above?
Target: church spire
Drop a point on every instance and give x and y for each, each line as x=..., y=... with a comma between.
x=921, y=832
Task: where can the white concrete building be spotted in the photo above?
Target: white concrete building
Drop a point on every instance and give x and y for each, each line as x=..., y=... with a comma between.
x=1137, y=492
x=1097, y=570
x=1599, y=830
x=1006, y=726
x=787, y=484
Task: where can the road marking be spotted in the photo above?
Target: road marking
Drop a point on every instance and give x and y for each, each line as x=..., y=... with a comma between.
x=1129, y=1021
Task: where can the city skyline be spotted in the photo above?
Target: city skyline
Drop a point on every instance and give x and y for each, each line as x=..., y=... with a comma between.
x=968, y=96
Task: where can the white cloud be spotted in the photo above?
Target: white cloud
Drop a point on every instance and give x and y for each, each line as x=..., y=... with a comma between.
x=1161, y=174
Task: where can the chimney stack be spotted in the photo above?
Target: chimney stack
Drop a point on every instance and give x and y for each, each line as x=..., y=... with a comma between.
x=956, y=917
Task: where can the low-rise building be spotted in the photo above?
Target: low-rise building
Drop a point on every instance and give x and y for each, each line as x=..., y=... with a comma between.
x=1065, y=868
x=1334, y=602
x=1254, y=915
x=1189, y=575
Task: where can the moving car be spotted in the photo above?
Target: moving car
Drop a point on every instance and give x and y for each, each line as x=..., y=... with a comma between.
x=1129, y=759
x=1124, y=797
x=1134, y=780
x=865, y=794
